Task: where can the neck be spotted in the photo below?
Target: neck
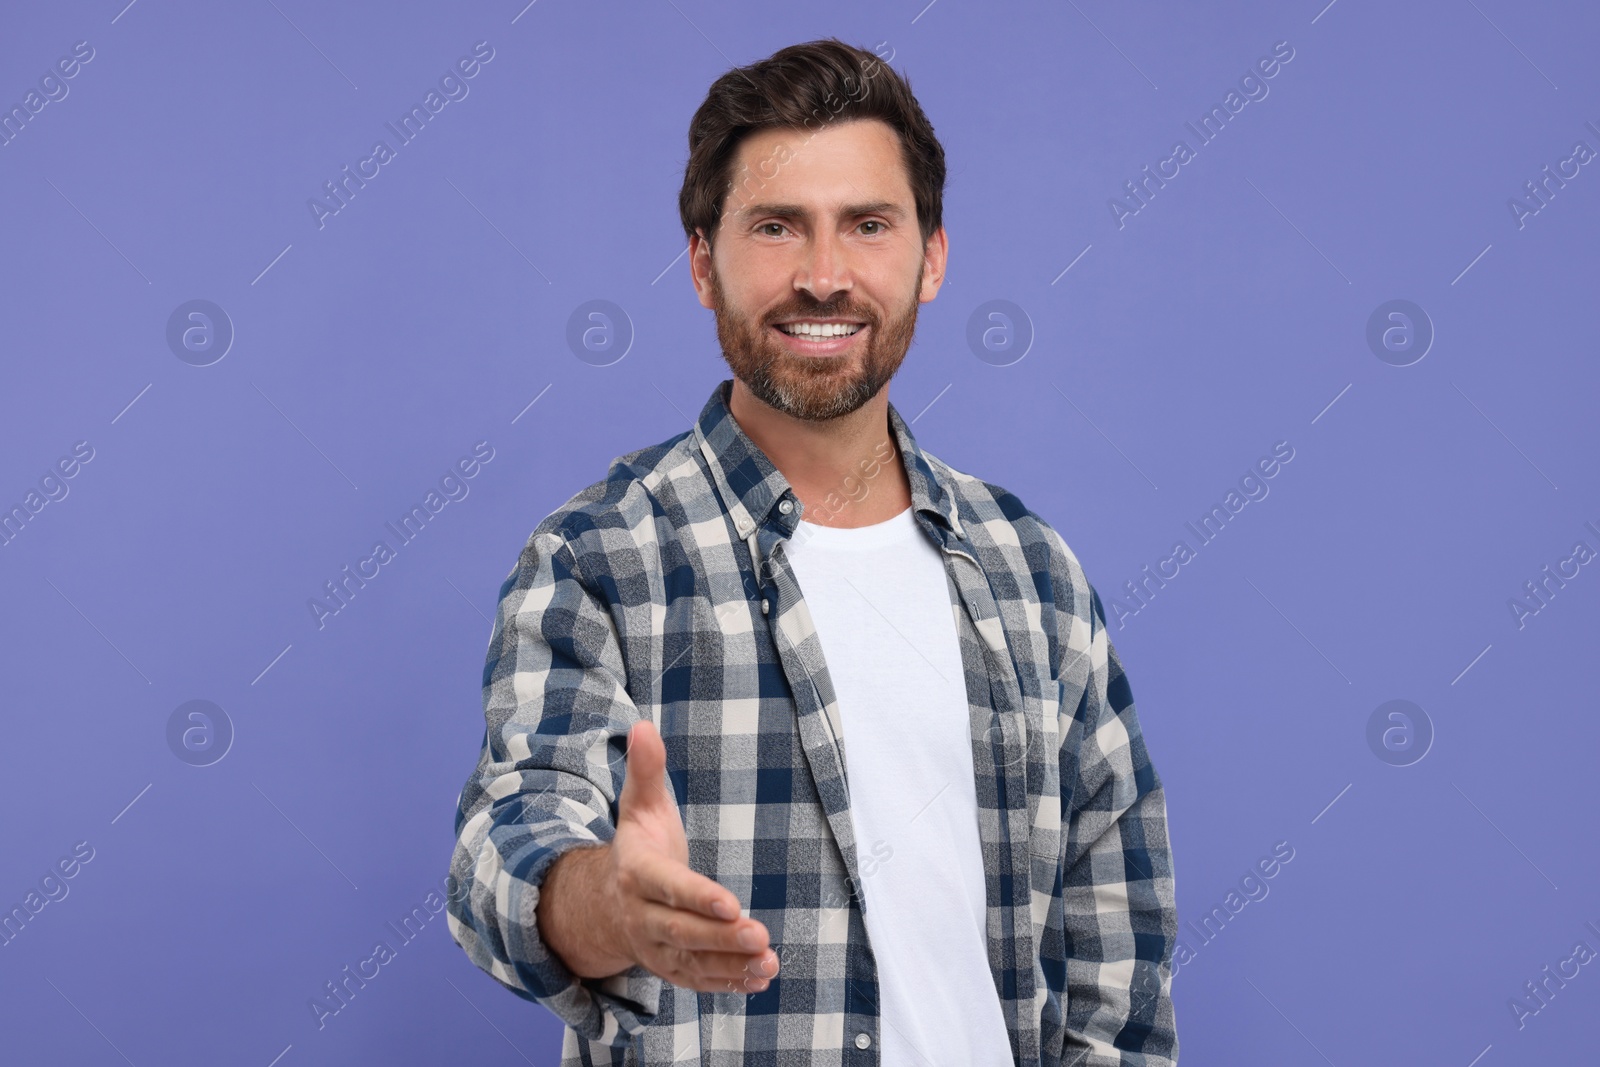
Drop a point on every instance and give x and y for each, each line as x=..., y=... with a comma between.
x=846, y=471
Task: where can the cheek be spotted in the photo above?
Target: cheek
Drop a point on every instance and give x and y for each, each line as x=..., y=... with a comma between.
x=892, y=287
x=754, y=292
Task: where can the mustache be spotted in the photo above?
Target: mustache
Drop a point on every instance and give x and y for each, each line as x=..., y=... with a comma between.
x=823, y=311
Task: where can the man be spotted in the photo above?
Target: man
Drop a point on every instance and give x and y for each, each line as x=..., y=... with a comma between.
x=802, y=747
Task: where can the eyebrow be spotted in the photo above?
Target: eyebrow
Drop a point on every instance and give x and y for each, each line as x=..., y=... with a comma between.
x=796, y=211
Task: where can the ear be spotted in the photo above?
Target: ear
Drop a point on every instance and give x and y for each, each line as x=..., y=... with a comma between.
x=935, y=255
x=701, y=266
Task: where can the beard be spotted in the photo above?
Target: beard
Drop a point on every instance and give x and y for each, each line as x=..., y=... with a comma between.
x=814, y=388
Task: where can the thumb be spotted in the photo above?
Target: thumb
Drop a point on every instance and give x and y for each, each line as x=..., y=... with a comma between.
x=644, y=785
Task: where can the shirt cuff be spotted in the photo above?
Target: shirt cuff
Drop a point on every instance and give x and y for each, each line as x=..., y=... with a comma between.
x=610, y=1010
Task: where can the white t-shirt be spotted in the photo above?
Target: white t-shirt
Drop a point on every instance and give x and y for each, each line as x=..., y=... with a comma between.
x=879, y=598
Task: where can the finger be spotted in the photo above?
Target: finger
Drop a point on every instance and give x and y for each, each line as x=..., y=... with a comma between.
x=678, y=928
x=712, y=972
x=644, y=784
x=685, y=980
x=664, y=880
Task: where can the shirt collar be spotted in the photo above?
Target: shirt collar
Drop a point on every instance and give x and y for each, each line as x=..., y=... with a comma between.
x=752, y=487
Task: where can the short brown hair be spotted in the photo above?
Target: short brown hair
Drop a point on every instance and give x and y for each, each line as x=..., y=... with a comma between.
x=806, y=86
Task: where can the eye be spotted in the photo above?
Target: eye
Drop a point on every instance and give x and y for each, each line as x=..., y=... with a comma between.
x=874, y=222
x=763, y=228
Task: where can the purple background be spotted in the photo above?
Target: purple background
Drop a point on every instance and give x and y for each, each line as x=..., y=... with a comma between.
x=1229, y=314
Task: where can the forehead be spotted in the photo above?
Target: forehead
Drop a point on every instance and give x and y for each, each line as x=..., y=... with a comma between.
x=833, y=164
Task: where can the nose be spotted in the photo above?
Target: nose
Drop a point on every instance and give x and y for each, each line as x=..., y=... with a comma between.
x=824, y=271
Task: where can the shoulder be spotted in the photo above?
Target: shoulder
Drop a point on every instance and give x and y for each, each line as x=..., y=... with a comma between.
x=1015, y=539
x=614, y=515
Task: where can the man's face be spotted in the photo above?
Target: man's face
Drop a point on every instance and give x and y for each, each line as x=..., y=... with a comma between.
x=818, y=237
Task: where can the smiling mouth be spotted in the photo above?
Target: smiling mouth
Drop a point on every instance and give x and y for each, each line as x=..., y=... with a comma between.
x=821, y=331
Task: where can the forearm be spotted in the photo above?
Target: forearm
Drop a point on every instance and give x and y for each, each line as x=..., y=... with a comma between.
x=575, y=920
x=538, y=795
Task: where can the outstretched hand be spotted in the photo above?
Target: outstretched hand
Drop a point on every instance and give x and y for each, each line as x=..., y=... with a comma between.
x=676, y=923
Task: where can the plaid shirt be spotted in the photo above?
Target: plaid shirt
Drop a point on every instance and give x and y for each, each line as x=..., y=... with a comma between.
x=663, y=591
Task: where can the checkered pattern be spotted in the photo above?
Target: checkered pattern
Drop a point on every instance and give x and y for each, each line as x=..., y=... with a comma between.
x=663, y=592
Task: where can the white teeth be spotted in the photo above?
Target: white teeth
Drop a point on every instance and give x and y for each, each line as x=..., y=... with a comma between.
x=819, y=329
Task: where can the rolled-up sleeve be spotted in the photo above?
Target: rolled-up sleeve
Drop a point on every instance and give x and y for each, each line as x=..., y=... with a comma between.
x=557, y=714
x=1119, y=908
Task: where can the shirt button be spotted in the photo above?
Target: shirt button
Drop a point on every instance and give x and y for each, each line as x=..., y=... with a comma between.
x=785, y=506
x=744, y=528
x=863, y=1041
